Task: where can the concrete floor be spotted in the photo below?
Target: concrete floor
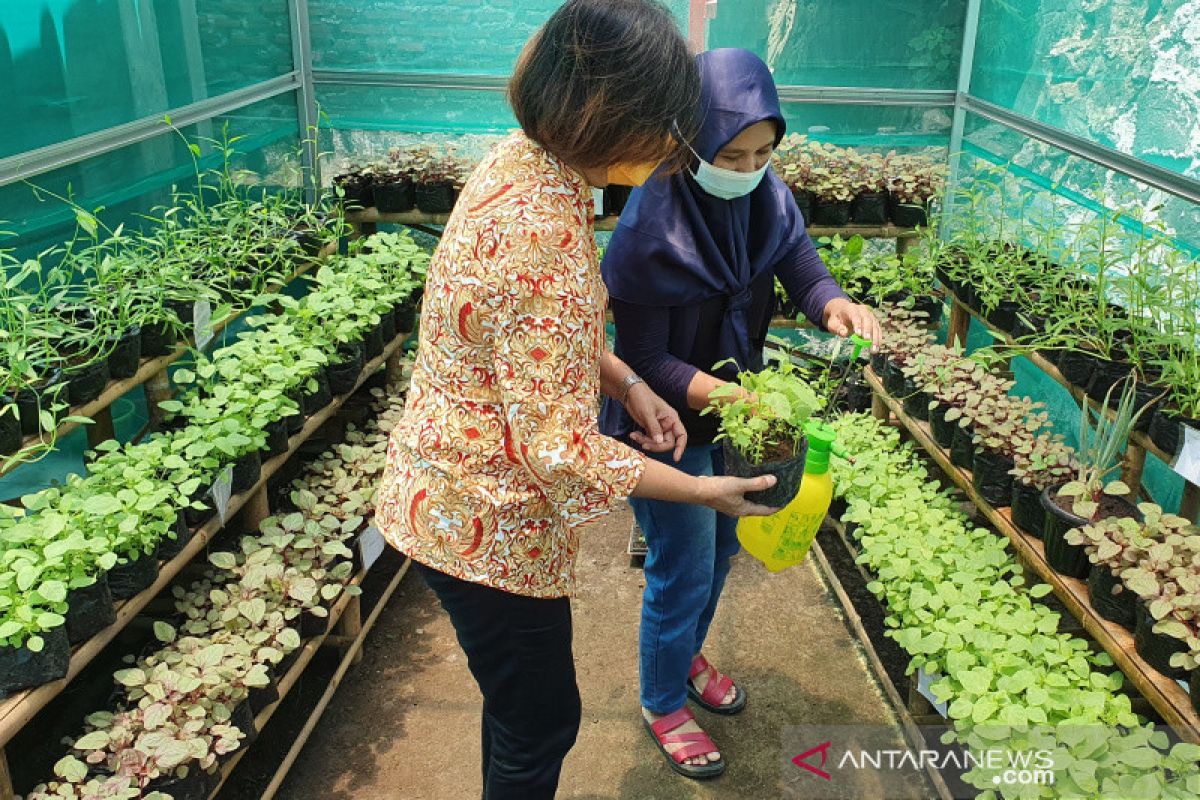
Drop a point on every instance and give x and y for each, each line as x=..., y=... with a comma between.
x=405, y=722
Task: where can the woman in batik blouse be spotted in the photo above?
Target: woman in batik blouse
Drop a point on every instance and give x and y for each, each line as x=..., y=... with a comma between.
x=498, y=458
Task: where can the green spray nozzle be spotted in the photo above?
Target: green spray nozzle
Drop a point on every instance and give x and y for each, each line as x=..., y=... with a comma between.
x=860, y=343
x=822, y=440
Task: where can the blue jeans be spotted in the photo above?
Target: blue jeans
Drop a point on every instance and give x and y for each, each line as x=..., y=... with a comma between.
x=689, y=548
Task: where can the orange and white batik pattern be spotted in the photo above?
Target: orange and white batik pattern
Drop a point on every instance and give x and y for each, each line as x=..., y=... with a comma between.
x=498, y=458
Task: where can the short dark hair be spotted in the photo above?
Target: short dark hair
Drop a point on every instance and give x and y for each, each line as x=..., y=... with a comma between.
x=606, y=81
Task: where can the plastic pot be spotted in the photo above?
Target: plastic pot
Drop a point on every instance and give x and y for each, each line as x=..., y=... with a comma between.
x=436, y=198
x=1066, y=558
x=834, y=213
x=931, y=307
x=242, y=718
x=394, y=197
x=387, y=326
x=1120, y=608
x=89, y=610
x=1004, y=316
x=170, y=548
x=788, y=474
x=858, y=395
x=943, y=431
x=962, y=448
x=1076, y=366
x=1105, y=375
x=126, y=355
x=343, y=375
x=158, y=339
x=1166, y=430
x=1028, y=513
x=869, y=208
x=184, y=311
x=197, y=517
x=195, y=785
x=1155, y=648
x=311, y=625
x=879, y=361
x=135, y=575
x=893, y=379
x=916, y=401
x=838, y=507
x=10, y=426
x=246, y=471
x=1027, y=326
x=277, y=438
x=263, y=696
x=909, y=215
x=317, y=399
x=21, y=668
x=32, y=401
x=372, y=343
x=87, y=381
x=295, y=422
x=405, y=316
x=804, y=201
x=990, y=477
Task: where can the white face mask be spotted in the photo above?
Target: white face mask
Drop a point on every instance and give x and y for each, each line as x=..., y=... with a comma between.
x=727, y=184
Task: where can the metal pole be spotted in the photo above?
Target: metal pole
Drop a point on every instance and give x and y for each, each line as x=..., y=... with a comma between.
x=306, y=99
x=966, y=64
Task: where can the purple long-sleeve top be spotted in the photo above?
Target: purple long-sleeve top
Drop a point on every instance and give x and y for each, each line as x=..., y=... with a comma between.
x=667, y=346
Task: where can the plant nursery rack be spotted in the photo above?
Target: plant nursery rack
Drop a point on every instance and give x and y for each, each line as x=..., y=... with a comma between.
x=153, y=373
x=1164, y=694
x=1139, y=443
x=364, y=222
x=17, y=710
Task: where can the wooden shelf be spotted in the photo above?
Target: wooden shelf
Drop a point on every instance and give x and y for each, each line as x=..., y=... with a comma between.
x=371, y=216
x=18, y=709
x=1165, y=695
x=307, y=652
x=149, y=368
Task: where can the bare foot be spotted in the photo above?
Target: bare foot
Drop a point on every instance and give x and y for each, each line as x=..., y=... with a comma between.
x=700, y=682
x=688, y=727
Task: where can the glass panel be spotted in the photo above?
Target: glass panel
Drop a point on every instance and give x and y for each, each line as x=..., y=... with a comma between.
x=876, y=126
x=472, y=38
x=896, y=44
x=1124, y=74
x=71, y=67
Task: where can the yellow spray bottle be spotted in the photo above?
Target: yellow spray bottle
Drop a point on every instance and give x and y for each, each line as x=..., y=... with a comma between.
x=783, y=539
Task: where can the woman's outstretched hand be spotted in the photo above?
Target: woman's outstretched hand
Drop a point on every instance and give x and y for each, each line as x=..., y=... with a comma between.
x=842, y=318
x=662, y=430
x=727, y=495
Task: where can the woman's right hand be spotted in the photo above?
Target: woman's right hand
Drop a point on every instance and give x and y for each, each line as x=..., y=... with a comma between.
x=726, y=494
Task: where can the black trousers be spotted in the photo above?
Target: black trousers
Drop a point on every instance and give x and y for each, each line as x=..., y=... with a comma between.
x=519, y=650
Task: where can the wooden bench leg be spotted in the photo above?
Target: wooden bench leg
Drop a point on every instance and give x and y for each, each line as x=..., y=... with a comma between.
x=960, y=321
x=1190, y=505
x=257, y=508
x=879, y=409
x=157, y=389
x=6, y=787
x=350, y=625
x=101, y=429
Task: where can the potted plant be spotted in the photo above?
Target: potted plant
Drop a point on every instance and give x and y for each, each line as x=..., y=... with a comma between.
x=913, y=183
x=762, y=419
x=1090, y=496
x=870, y=205
x=1048, y=462
x=393, y=190
x=832, y=186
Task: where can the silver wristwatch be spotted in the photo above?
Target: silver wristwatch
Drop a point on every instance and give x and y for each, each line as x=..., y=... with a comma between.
x=628, y=382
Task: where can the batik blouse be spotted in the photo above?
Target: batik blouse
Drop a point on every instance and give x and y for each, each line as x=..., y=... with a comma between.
x=498, y=458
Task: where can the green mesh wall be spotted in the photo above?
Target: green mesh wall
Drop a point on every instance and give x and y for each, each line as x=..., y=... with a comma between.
x=71, y=67
x=468, y=37
x=1124, y=74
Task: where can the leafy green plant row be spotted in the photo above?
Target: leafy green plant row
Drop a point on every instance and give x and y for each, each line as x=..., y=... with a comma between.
x=187, y=705
x=132, y=500
x=957, y=602
x=1119, y=302
x=80, y=313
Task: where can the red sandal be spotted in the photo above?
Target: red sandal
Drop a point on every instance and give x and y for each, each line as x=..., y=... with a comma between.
x=715, y=690
x=695, y=744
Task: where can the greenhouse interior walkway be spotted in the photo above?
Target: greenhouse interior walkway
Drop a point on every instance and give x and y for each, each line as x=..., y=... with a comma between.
x=405, y=723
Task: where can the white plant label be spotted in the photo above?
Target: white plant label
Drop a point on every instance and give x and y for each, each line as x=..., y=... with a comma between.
x=370, y=546
x=202, y=320
x=1188, y=462
x=924, y=681
x=598, y=201
x=221, y=492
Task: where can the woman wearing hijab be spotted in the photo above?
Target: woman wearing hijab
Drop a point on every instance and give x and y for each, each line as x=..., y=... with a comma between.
x=498, y=459
x=690, y=271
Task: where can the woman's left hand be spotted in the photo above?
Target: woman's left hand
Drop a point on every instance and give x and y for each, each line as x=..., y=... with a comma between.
x=843, y=318
x=662, y=430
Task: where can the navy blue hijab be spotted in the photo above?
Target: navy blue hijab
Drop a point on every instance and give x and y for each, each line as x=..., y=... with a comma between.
x=678, y=246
